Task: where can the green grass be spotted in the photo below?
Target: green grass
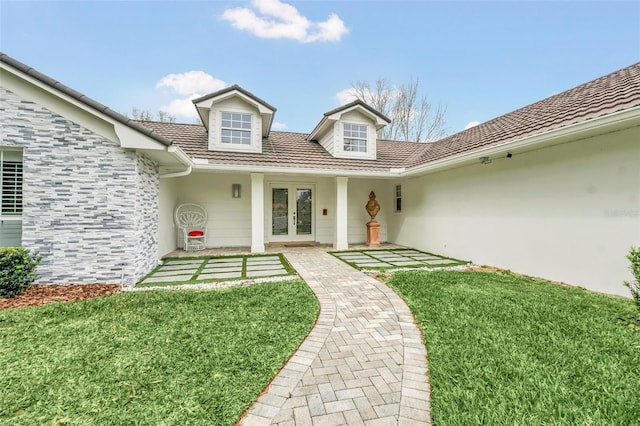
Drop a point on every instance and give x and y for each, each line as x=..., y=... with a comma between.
x=511, y=350
x=167, y=260
x=163, y=357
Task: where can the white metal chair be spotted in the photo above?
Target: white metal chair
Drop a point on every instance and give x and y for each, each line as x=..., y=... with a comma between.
x=191, y=220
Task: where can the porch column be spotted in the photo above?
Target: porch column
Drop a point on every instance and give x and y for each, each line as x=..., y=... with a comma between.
x=257, y=213
x=340, y=236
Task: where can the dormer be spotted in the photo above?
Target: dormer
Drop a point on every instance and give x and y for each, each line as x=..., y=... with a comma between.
x=350, y=131
x=236, y=120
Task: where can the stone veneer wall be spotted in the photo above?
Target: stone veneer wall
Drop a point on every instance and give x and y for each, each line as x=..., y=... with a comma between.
x=90, y=208
x=147, y=215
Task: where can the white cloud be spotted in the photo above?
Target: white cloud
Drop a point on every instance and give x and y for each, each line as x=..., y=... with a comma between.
x=182, y=107
x=191, y=82
x=281, y=20
x=471, y=124
x=278, y=126
x=347, y=95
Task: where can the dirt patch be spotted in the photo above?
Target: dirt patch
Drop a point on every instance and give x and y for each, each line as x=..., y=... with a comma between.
x=44, y=294
x=478, y=268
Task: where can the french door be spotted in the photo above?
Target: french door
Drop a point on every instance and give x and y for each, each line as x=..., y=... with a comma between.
x=292, y=212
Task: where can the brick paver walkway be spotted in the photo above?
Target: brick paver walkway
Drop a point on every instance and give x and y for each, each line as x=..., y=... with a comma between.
x=363, y=363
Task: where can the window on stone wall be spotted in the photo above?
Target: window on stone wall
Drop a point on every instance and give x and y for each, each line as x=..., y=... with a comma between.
x=10, y=198
x=11, y=179
x=398, y=198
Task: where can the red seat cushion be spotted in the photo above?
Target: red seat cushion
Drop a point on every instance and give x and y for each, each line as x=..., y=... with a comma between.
x=196, y=233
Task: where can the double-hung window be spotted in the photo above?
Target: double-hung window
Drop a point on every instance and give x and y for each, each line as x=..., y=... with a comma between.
x=236, y=128
x=355, y=137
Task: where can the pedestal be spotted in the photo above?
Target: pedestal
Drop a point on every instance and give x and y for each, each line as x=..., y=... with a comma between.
x=373, y=233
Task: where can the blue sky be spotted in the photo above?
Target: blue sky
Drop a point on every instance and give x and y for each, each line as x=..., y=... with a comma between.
x=481, y=59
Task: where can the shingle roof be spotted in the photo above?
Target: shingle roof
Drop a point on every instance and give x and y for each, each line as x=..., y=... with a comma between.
x=611, y=93
x=285, y=149
x=614, y=92
x=82, y=98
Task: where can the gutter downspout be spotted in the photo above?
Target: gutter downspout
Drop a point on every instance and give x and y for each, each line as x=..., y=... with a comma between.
x=183, y=158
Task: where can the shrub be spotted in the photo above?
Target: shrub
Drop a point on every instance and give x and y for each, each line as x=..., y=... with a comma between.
x=17, y=270
x=634, y=258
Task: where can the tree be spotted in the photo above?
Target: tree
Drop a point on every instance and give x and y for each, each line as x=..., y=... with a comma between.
x=146, y=115
x=413, y=117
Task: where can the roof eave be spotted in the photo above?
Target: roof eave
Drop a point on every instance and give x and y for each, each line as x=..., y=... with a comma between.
x=222, y=168
x=607, y=123
x=79, y=97
x=317, y=130
x=358, y=103
x=235, y=88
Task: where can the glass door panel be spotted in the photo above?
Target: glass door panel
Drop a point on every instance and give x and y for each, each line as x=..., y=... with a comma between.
x=291, y=212
x=280, y=211
x=304, y=210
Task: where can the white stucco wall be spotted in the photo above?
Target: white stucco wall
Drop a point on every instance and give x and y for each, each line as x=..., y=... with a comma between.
x=359, y=190
x=567, y=213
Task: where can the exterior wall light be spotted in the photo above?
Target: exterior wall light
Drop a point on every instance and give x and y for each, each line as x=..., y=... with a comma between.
x=235, y=190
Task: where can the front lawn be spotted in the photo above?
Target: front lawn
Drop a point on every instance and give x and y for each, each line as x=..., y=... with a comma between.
x=164, y=357
x=511, y=350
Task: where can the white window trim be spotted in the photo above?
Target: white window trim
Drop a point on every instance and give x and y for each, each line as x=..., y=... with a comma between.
x=241, y=129
x=11, y=216
x=397, y=188
x=215, y=136
x=365, y=139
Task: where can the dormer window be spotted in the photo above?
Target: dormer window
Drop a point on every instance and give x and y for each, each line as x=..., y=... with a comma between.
x=350, y=131
x=236, y=120
x=355, y=137
x=235, y=128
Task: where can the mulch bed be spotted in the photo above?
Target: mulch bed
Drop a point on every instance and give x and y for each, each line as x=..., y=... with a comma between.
x=44, y=294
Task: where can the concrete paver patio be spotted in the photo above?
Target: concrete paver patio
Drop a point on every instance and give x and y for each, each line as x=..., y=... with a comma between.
x=176, y=270
x=363, y=363
x=394, y=258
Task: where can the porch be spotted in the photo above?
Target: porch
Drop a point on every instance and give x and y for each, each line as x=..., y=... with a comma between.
x=258, y=213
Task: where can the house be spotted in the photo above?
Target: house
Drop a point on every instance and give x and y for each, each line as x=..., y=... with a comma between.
x=550, y=190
